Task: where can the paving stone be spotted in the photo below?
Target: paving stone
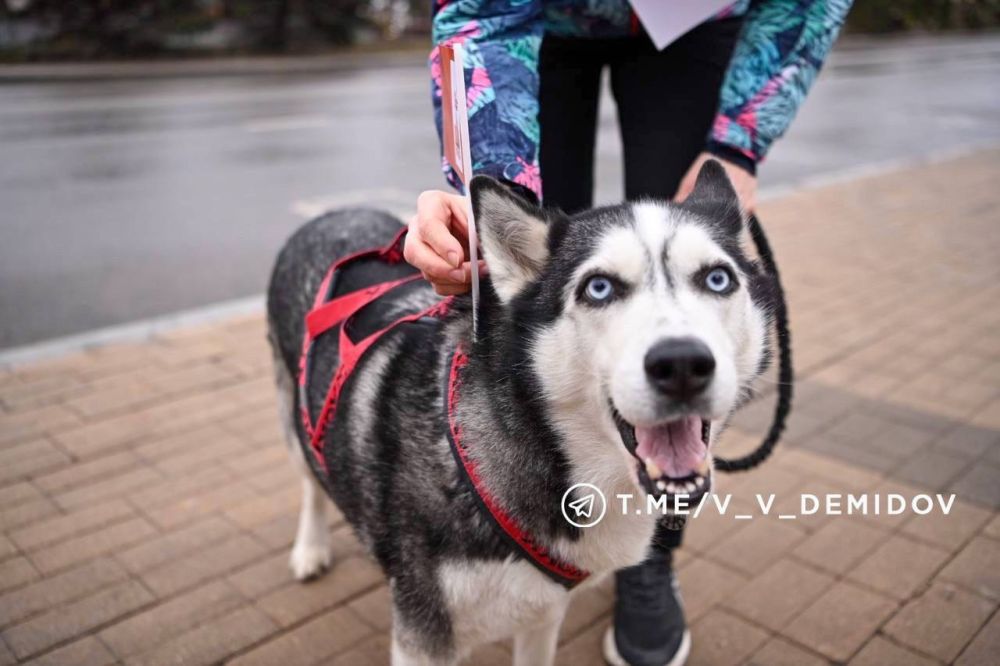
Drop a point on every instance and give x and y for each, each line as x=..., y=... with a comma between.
x=15, y=572
x=16, y=493
x=899, y=567
x=375, y=608
x=192, y=507
x=53, y=591
x=979, y=485
x=373, y=651
x=210, y=642
x=60, y=624
x=348, y=578
x=704, y=584
x=25, y=425
x=173, y=545
x=881, y=652
x=839, y=545
x=25, y=513
x=977, y=568
x=7, y=657
x=840, y=621
x=315, y=641
x=724, y=639
x=87, y=651
x=261, y=577
x=779, y=652
x=145, y=630
x=949, y=531
x=776, y=596
x=941, y=621
x=82, y=473
x=7, y=548
x=158, y=493
x=107, y=488
x=932, y=469
x=993, y=528
x=985, y=647
x=968, y=441
x=842, y=475
x=197, y=567
x=52, y=530
x=85, y=547
x=756, y=547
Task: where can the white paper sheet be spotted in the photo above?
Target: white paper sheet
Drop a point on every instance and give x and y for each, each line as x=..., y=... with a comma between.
x=666, y=20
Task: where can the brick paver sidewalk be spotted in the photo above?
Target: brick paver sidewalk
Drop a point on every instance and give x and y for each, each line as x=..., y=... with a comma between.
x=147, y=507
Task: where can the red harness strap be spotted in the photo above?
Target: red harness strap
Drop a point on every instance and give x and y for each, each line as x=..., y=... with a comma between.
x=561, y=572
x=328, y=313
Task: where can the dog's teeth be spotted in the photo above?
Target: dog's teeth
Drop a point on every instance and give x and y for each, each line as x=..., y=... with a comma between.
x=689, y=486
x=699, y=481
x=652, y=470
x=661, y=485
x=673, y=488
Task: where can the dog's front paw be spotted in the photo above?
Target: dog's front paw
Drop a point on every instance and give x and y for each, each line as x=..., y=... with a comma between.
x=309, y=561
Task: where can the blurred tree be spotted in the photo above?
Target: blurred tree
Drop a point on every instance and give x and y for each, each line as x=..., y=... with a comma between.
x=880, y=16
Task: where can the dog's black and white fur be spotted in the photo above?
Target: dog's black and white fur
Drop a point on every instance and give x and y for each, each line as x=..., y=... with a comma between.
x=548, y=376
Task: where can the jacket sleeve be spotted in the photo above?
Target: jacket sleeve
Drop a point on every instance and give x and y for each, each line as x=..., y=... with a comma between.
x=776, y=60
x=500, y=41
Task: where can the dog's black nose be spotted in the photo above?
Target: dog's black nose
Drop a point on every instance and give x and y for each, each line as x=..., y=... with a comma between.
x=680, y=368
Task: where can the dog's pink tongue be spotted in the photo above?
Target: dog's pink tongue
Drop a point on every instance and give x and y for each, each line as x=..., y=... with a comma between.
x=676, y=447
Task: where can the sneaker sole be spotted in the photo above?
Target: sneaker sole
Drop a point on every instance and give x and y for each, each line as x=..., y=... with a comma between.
x=614, y=659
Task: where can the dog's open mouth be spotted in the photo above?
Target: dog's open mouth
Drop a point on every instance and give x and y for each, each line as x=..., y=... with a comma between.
x=672, y=458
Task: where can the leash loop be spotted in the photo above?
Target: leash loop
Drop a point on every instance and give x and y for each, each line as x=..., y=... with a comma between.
x=785, y=373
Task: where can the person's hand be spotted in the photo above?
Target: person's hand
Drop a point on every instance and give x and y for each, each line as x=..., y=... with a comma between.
x=744, y=182
x=438, y=240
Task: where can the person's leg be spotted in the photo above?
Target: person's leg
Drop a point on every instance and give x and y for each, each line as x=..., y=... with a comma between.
x=569, y=90
x=667, y=102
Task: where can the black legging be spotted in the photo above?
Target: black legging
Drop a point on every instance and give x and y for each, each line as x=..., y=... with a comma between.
x=667, y=101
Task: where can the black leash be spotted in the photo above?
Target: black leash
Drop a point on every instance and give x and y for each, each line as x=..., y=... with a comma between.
x=785, y=374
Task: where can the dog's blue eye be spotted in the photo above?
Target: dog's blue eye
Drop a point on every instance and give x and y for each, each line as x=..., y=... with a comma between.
x=718, y=280
x=599, y=289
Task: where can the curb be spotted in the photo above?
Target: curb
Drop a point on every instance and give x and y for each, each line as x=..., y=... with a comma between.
x=207, y=68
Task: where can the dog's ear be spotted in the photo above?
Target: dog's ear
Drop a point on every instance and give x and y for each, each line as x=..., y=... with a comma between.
x=513, y=234
x=714, y=199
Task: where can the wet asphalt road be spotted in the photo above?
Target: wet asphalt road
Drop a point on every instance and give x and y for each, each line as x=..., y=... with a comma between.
x=125, y=199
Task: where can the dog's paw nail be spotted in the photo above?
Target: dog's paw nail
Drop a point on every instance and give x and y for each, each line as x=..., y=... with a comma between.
x=310, y=562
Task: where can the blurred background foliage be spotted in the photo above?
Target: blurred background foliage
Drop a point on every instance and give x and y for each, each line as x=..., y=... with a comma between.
x=99, y=29
x=883, y=16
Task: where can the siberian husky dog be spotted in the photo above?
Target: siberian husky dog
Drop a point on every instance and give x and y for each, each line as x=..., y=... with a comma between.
x=612, y=347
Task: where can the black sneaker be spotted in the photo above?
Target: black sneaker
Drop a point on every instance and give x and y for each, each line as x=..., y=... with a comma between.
x=649, y=627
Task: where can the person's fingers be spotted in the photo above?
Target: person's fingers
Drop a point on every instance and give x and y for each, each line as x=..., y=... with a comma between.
x=457, y=209
x=439, y=238
x=421, y=256
x=439, y=216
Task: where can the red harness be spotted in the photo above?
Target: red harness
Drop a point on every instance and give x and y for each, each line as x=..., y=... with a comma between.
x=329, y=312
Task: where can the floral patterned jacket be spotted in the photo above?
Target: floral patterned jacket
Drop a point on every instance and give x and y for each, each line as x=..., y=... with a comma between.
x=777, y=57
